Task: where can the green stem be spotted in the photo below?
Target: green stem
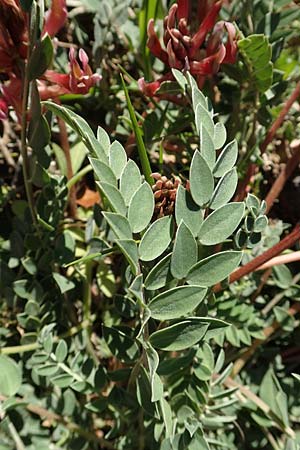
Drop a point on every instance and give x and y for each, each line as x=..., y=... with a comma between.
x=78, y=176
x=139, y=139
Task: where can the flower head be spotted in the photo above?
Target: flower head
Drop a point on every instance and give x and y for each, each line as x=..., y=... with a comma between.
x=193, y=42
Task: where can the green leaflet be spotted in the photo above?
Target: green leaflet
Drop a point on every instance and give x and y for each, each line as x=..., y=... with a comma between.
x=225, y=189
x=159, y=275
x=141, y=208
x=119, y=224
x=103, y=138
x=117, y=158
x=257, y=52
x=129, y=248
x=180, y=335
x=185, y=252
x=156, y=239
x=103, y=172
x=215, y=268
x=220, y=135
x=114, y=197
x=10, y=376
x=130, y=181
x=221, y=223
x=207, y=147
x=176, y=302
x=202, y=117
x=201, y=180
x=187, y=210
x=226, y=159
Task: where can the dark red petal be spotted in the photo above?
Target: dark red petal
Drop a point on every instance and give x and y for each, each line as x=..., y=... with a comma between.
x=154, y=44
x=55, y=17
x=183, y=9
x=205, y=27
x=148, y=89
x=209, y=65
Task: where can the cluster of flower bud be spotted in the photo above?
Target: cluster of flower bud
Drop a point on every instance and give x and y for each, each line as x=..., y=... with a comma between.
x=165, y=191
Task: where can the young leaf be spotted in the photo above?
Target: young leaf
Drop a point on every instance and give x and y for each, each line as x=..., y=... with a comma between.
x=119, y=224
x=159, y=275
x=117, y=158
x=156, y=239
x=207, y=147
x=225, y=189
x=141, y=208
x=103, y=172
x=129, y=248
x=220, y=224
x=201, y=180
x=185, y=252
x=220, y=135
x=187, y=210
x=226, y=159
x=215, y=268
x=176, y=302
x=130, y=181
x=114, y=197
x=179, y=336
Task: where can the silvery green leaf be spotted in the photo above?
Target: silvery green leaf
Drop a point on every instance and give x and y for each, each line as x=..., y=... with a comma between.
x=221, y=223
x=119, y=225
x=214, y=268
x=117, y=158
x=141, y=208
x=159, y=275
x=185, y=252
x=130, y=181
x=202, y=117
x=201, y=180
x=114, y=197
x=226, y=159
x=220, y=135
x=103, y=139
x=103, y=172
x=207, y=147
x=225, y=189
x=187, y=210
x=176, y=302
x=156, y=239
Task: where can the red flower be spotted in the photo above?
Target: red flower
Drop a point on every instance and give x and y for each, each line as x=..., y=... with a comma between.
x=55, y=17
x=200, y=52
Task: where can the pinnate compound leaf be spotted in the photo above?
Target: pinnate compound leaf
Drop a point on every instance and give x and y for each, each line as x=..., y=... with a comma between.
x=114, y=197
x=10, y=376
x=122, y=346
x=207, y=147
x=225, y=189
x=179, y=336
x=257, y=52
x=202, y=117
x=117, y=158
x=221, y=223
x=130, y=181
x=176, y=302
x=201, y=180
x=187, y=210
x=103, y=172
x=141, y=208
x=215, y=268
x=185, y=252
x=159, y=275
x=220, y=135
x=119, y=225
x=226, y=159
x=129, y=249
x=156, y=239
